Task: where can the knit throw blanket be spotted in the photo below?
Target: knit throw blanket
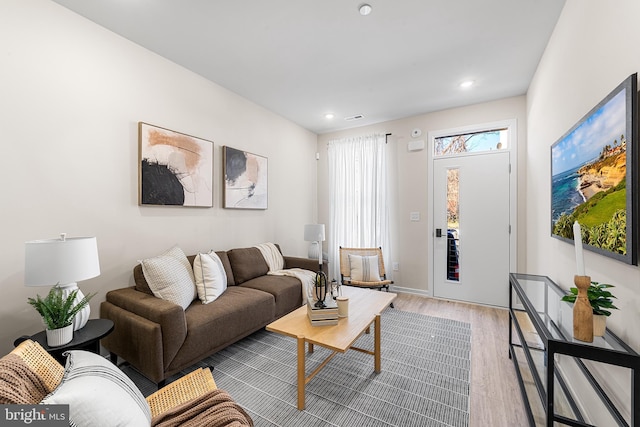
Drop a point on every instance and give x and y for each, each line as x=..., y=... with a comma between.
x=306, y=278
x=213, y=409
x=272, y=256
x=19, y=385
x=275, y=261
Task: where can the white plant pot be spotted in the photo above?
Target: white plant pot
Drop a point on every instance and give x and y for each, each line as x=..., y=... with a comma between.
x=599, y=325
x=61, y=336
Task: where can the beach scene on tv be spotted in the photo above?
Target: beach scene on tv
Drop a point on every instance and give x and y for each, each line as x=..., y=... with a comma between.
x=588, y=185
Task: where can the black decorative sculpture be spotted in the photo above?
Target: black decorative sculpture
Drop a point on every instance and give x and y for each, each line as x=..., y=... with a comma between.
x=321, y=288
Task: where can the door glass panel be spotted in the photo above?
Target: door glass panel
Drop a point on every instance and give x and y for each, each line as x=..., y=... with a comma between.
x=453, y=224
x=487, y=140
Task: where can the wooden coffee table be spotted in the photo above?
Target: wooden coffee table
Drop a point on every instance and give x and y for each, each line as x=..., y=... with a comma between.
x=365, y=306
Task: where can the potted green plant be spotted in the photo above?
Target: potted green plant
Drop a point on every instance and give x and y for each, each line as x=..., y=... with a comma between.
x=601, y=302
x=57, y=313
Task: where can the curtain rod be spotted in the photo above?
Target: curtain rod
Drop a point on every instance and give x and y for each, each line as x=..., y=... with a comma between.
x=386, y=138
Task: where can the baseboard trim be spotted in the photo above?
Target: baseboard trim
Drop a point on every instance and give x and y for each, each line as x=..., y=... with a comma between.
x=399, y=289
x=423, y=293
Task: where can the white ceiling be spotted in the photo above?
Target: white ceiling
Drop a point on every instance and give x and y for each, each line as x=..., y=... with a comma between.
x=304, y=58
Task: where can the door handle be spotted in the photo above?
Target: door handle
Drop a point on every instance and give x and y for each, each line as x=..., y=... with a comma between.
x=438, y=232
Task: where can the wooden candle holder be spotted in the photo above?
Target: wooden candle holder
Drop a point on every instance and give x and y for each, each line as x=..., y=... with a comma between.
x=582, y=311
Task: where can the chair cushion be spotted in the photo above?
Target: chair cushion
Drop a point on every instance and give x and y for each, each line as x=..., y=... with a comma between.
x=98, y=393
x=211, y=279
x=170, y=277
x=364, y=268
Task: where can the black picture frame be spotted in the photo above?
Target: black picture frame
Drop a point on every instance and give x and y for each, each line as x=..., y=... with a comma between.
x=594, y=171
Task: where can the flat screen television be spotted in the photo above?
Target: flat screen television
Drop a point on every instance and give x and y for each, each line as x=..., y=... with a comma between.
x=594, y=177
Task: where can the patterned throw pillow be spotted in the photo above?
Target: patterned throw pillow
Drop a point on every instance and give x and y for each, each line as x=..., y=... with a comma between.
x=364, y=268
x=98, y=393
x=211, y=279
x=170, y=277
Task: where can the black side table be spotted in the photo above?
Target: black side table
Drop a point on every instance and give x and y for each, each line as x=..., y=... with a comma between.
x=87, y=338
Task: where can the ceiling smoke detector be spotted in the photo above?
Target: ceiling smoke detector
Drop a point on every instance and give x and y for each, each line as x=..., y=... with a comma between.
x=364, y=9
x=356, y=117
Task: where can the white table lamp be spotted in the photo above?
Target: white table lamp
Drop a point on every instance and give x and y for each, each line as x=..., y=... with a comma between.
x=315, y=233
x=63, y=262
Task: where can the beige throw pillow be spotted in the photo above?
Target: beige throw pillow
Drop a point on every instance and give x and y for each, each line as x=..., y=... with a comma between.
x=170, y=277
x=211, y=279
x=364, y=268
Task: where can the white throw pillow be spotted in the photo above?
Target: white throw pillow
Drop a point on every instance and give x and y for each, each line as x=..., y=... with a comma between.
x=170, y=277
x=98, y=393
x=364, y=268
x=211, y=279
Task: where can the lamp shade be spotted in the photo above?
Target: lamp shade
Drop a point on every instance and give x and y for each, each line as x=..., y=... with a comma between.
x=314, y=232
x=60, y=261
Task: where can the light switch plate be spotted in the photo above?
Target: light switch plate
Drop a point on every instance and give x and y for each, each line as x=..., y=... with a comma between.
x=414, y=216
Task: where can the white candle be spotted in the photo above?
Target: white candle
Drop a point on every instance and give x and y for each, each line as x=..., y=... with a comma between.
x=577, y=237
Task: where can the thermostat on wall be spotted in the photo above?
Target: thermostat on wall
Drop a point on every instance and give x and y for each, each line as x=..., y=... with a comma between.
x=415, y=145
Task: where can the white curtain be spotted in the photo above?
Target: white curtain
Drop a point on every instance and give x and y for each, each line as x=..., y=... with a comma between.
x=358, y=196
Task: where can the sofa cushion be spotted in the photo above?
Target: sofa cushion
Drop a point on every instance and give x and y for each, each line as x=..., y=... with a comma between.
x=227, y=267
x=211, y=279
x=247, y=264
x=98, y=393
x=236, y=313
x=170, y=277
x=286, y=290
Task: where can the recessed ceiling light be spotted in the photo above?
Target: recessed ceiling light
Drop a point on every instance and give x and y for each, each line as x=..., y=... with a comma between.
x=466, y=84
x=364, y=9
x=329, y=116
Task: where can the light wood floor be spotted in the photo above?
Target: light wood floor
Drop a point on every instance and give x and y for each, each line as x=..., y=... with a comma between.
x=495, y=396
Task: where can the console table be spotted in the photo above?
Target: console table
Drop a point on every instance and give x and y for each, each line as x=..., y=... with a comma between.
x=549, y=362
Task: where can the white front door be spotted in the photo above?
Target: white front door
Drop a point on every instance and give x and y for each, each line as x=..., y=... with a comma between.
x=471, y=246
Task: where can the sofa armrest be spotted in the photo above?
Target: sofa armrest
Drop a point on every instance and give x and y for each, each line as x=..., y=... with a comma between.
x=164, y=312
x=306, y=263
x=168, y=316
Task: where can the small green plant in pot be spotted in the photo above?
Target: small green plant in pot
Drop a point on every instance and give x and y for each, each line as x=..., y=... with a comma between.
x=601, y=302
x=57, y=313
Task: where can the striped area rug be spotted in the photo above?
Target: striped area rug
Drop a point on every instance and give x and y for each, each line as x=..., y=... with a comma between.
x=424, y=379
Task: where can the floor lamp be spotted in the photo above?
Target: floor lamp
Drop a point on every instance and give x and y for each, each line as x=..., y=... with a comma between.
x=63, y=262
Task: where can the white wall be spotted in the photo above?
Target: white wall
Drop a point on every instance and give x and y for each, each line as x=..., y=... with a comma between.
x=594, y=47
x=71, y=94
x=409, y=180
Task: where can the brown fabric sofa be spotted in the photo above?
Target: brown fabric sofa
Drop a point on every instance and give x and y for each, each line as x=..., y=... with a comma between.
x=159, y=339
